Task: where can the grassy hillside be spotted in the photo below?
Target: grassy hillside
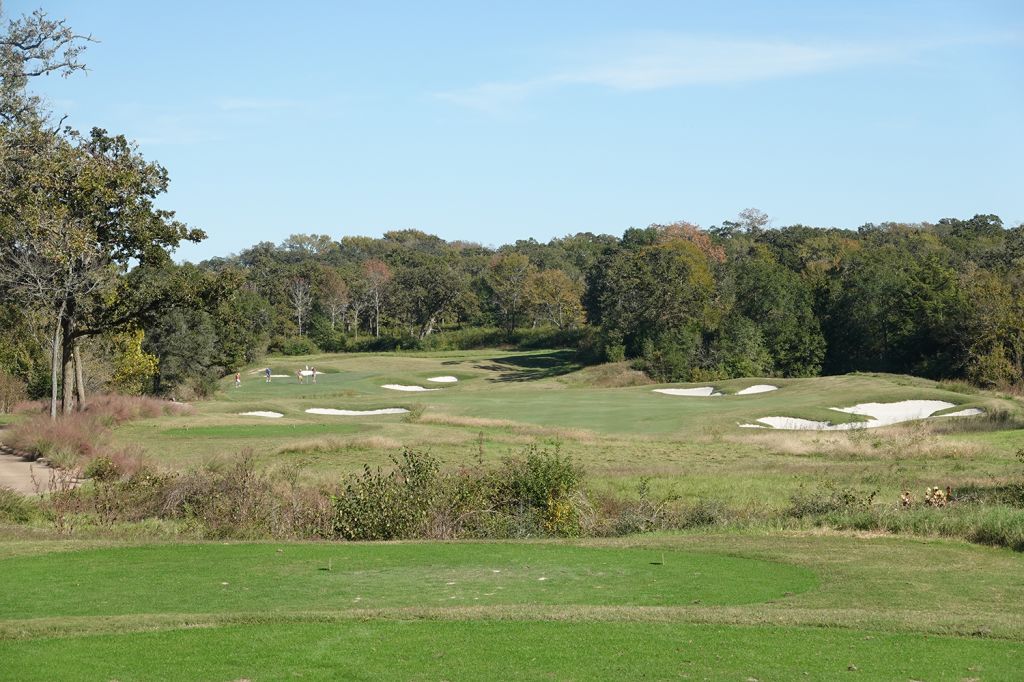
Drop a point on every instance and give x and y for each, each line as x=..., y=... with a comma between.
x=619, y=431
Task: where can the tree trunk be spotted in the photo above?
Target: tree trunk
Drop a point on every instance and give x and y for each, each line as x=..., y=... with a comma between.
x=427, y=329
x=67, y=383
x=54, y=364
x=79, y=376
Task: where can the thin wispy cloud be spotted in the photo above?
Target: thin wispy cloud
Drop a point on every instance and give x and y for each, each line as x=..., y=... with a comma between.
x=495, y=97
x=256, y=104
x=151, y=127
x=677, y=61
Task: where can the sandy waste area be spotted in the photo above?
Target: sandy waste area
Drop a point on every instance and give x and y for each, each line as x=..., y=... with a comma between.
x=880, y=414
x=355, y=413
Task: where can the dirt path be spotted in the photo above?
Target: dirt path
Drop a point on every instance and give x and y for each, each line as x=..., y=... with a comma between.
x=16, y=473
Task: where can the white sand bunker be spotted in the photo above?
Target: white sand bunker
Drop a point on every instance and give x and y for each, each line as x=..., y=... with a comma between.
x=702, y=392
x=881, y=414
x=262, y=413
x=400, y=387
x=355, y=413
x=443, y=380
x=758, y=388
x=969, y=412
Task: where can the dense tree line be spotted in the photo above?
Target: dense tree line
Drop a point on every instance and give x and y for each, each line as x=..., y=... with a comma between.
x=683, y=303
x=90, y=298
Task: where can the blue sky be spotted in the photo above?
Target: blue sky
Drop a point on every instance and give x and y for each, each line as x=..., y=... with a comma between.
x=492, y=122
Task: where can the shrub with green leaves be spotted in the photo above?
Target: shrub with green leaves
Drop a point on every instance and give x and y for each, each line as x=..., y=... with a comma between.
x=102, y=468
x=386, y=506
x=541, y=486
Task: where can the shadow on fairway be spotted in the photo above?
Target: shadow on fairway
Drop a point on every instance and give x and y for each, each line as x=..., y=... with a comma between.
x=532, y=367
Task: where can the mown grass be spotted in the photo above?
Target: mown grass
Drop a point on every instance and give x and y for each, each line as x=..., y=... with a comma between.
x=417, y=650
x=768, y=606
x=264, y=578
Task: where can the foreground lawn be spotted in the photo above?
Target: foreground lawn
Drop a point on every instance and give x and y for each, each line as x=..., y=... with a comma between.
x=418, y=650
x=268, y=578
x=724, y=606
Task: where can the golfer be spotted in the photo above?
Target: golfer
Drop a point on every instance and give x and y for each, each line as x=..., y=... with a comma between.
x=313, y=369
x=266, y=373
x=238, y=380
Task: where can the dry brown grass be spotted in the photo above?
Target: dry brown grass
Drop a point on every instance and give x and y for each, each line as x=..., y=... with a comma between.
x=919, y=441
x=77, y=434
x=85, y=433
x=118, y=409
x=331, y=444
x=473, y=422
x=374, y=443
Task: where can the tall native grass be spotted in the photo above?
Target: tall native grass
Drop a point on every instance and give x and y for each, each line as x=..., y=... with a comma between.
x=84, y=433
x=536, y=492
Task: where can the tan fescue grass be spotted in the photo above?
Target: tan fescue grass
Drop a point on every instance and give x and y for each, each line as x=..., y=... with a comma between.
x=85, y=433
x=121, y=408
x=913, y=442
x=473, y=422
x=317, y=445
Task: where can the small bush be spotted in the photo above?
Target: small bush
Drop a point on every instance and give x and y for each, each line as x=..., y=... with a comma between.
x=827, y=499
x=228, y=499
x=378, y=506
x=102, y=469
x=704, y=512
x=541, y=486
x=645, y=513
